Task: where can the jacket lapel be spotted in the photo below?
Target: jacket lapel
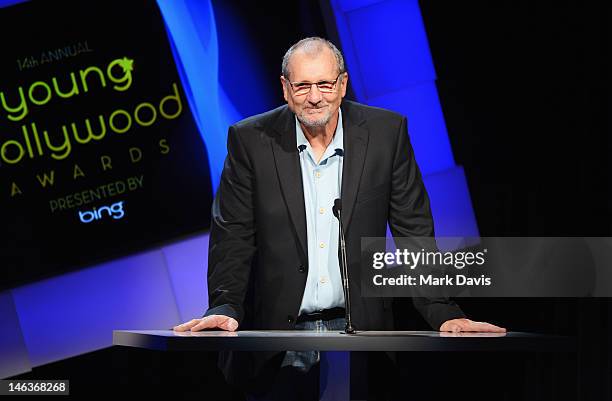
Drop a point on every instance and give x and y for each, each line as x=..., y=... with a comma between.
x=284, y=149
x=355, y=145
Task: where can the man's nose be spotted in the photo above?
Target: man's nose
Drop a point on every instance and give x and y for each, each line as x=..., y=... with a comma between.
x=314, y=96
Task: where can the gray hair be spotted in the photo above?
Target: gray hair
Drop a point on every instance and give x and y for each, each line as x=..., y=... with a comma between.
x=313, y=45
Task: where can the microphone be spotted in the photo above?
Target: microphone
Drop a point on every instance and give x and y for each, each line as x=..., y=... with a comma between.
x=337, y=209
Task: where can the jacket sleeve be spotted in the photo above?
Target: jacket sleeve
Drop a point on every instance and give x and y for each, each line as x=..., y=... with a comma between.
x=232, y=236
x=410, y=216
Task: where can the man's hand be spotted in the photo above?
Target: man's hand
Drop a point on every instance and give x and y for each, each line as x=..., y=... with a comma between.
x=209, y=322
x=460, y=325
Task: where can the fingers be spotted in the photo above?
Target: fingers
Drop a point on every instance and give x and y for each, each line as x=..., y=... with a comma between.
x=216, y=321
x=186, y=326
x=467, y=325
x=209, y=322
x=482, y=327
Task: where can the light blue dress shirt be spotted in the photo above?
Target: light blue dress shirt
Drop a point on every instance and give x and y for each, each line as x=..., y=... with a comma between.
x=322, y=182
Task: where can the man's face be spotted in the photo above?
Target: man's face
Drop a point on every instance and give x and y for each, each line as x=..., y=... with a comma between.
x=316, y=108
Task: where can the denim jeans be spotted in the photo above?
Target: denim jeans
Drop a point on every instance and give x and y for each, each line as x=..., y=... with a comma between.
x=304, y=360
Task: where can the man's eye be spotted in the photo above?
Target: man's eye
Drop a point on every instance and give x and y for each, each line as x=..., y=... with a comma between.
x=325, y=85
x=301, y=85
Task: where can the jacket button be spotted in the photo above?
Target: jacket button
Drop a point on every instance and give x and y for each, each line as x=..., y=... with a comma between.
x=290, y=318
x=301, y=269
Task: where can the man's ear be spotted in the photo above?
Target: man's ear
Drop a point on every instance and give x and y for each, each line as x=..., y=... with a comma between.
x=344, y=84
x=284, y=85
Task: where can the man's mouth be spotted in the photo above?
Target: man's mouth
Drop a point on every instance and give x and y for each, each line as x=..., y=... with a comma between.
x=314, y=109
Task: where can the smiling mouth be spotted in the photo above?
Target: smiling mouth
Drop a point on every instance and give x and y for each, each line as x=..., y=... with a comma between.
x=314, y=110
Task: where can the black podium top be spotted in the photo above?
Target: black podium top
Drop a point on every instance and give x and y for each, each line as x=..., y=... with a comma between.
x=301, y=340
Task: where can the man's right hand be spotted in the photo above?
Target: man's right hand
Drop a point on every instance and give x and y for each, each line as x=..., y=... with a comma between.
x=209, y=322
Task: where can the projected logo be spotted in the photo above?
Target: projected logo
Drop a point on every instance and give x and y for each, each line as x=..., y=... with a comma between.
x=87, y=129
x=114, y=211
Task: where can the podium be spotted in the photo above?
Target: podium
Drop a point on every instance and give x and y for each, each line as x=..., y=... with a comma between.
x=338, y=345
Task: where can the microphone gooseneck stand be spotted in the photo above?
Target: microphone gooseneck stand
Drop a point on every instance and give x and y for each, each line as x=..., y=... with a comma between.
x=337, y=209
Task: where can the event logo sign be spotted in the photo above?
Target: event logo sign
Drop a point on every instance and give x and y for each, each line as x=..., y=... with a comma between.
x=99, y=152
x=115, y=211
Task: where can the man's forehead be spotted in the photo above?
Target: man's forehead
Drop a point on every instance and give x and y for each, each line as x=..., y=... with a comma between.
x=312, y=66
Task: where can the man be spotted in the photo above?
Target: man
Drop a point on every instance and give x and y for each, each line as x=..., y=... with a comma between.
x=273, y=247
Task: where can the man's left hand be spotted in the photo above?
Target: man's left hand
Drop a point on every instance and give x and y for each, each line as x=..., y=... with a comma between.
x=460, y=325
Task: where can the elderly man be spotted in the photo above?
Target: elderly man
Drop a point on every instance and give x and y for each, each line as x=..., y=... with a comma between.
x=273, y=257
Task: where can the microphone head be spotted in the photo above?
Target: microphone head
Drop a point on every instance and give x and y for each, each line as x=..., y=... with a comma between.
x=337, y=207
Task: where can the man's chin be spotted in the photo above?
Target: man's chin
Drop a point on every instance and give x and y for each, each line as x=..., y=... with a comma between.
x=312, y=123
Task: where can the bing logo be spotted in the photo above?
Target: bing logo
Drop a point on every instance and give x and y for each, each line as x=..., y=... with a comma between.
x=115, y=211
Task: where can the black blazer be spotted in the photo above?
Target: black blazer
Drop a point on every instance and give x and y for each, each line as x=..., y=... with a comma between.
x=258, y=263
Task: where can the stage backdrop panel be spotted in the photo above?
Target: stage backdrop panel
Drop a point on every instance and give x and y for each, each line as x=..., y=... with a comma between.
x=99, y=152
